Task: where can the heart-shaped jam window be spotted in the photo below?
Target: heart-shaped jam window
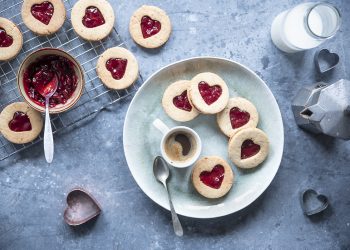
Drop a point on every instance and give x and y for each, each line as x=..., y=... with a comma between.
x=93, y=17
x=213, y=178
x=182, y=102
x=117, y=67
x=149, y=27
x=43, y=12
x=210, y=94
x=5, y=39
x=20, y=122
x=238, y=117
x=249, y=149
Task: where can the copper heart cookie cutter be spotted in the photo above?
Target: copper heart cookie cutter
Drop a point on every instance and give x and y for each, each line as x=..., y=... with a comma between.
x=310, y=209
x=81, y=207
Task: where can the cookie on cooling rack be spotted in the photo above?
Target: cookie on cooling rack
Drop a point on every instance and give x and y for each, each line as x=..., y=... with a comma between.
x=19, y=123
x=11, y=40
x=93, y=20
x=43, y=17
x=117, y=68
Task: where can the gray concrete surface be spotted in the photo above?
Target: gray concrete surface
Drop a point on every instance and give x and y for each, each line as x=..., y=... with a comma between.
x=32, y=194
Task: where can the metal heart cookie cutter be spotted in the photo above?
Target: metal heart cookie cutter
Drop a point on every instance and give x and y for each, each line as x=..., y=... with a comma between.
x=312, y=202
x=81, y=207
x=325, y=60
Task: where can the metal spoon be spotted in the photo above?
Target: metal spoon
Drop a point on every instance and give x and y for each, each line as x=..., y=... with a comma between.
x=161, y=172
x=47, y=91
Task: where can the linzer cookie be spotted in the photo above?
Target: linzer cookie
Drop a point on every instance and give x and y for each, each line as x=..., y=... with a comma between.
x=93, y=20
x=176, y=102
x=248, y=147
x=20, y=123
x=117, y=68
x=238, y=114
x=208, y=93
x=150, y=26
x=212, y=177
x=11, y=40
x=43, y=17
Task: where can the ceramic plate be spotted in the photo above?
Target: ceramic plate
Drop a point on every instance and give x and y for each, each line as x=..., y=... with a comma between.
x=142, y=141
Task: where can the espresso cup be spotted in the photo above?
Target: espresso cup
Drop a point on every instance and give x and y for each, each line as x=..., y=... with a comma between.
x=180, y=146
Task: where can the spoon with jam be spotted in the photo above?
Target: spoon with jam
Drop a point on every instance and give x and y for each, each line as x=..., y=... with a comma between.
x=46, y=83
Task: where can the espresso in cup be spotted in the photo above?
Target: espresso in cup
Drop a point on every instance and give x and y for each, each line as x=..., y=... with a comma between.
x=180, y=146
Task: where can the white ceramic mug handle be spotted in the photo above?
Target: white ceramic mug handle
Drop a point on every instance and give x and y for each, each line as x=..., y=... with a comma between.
x=161, y=126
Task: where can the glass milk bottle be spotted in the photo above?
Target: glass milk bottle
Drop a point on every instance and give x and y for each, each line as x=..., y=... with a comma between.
x=305, y=26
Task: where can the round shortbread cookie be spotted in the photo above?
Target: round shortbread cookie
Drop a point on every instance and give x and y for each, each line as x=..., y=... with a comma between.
x=92, y=11
x=150, y=27
x=238, y=114
x=248, y=147
x=209, y=93
x=122, y=68
x=43, y=17
x=8, y=115
x=176, y=103
x=212, y=177
x=11, y=40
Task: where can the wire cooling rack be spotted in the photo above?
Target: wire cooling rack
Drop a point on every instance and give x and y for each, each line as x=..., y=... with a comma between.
x=95, y=96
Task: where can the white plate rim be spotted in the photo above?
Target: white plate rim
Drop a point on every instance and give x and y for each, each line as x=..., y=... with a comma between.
x=127, y=117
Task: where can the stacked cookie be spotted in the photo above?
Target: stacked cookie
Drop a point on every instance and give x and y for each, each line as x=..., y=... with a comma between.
x=206, y=93
x=237, y=118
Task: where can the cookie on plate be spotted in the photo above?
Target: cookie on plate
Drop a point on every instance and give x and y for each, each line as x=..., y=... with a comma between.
x=212, y=177
x=43, y=17
x=93, y=20
x=209, y=93
x=19, y=123
x=248, y=147
x=238, y=114
x=176, y=103
x=150, y=26
x=11, y=40
x=117, y=68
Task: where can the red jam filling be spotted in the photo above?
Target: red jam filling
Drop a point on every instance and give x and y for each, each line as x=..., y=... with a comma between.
x=117, y=67
x=238, y=117
x=41, y=72
x=182, y=102
x=5, y=39
x=20, y=122
x=248, y=149
x=149, y=27
x=209, y=93
x=93, y=17
x=43, y=12
x=213, y=178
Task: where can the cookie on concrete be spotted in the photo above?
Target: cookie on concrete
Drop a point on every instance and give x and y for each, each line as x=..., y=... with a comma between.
x=150, y=26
